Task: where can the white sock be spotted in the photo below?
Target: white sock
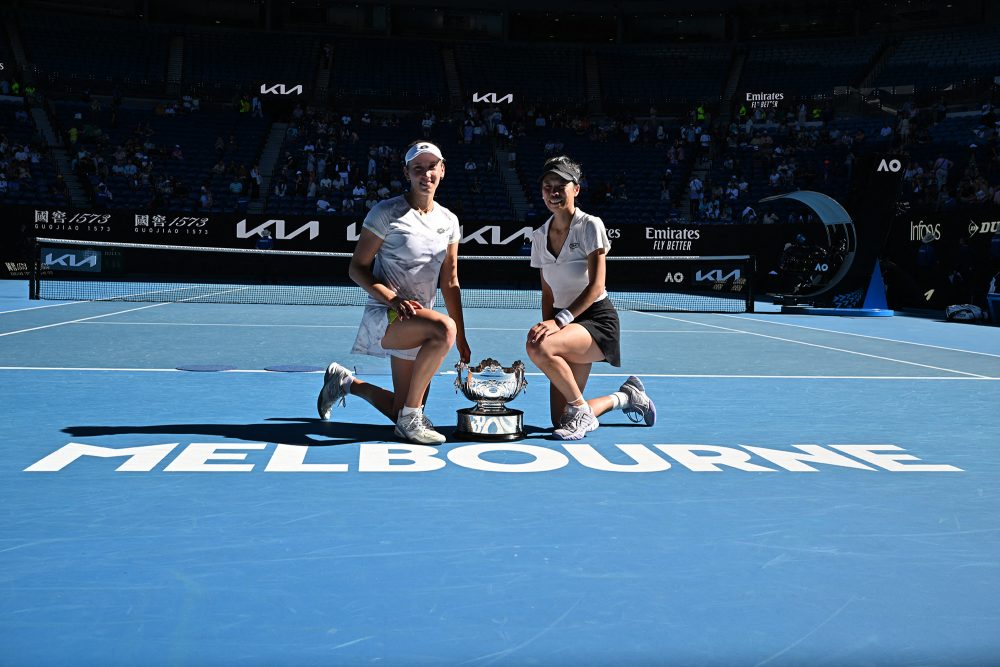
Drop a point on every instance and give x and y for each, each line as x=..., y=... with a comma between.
x=409, y=411
x=619, y=400
x=573, y=409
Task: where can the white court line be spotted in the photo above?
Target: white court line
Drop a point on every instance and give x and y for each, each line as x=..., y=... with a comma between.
x=117, y=312
x=824, y=347
x=84, y=319
x=354, y=326
x=228, y=324
x=847, y=333
x=695, y=376
x=51, y=305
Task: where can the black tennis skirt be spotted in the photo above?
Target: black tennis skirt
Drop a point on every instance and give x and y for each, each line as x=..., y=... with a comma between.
x=601, y=322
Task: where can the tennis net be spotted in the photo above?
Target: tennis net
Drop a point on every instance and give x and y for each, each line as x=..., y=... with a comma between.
x=100, y=271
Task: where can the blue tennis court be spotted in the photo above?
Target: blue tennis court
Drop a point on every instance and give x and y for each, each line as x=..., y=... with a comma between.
x=821, y=491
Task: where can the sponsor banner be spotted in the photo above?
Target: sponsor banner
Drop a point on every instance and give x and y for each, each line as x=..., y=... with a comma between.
x=63, y=259
x=14, y=267
x=340, y=234
x=949, y=226
x=935, y=259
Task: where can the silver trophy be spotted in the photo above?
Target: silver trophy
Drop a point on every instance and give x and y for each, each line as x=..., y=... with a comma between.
x=490, y=385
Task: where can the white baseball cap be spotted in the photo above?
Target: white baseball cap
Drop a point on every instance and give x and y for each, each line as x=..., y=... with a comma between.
x=420, y=149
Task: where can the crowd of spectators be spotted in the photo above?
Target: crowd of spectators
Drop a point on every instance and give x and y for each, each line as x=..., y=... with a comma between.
x=318, y=162
x=149, y=168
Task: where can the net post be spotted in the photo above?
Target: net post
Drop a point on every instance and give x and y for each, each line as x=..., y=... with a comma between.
x=752, y=273
x=34, y=267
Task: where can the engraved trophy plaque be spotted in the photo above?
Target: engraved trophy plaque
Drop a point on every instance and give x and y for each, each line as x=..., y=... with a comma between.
x=490, y=385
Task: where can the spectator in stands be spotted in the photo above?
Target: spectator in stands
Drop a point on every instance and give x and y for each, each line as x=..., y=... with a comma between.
x=941, y=167
x=103, y=195
x=579, y=323
x=695, y=192
x=402, y=270
x=235, y=186
x=266, y=241
x=255, y=183
x=60, y=189
x=281, y=188
x=205, y=199
x=323, y=205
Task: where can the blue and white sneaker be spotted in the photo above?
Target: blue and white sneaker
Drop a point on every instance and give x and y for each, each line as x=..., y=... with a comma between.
x=335, y=389
x=640, y=407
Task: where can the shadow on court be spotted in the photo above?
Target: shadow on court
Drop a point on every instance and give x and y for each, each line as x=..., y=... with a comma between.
x=284, y=430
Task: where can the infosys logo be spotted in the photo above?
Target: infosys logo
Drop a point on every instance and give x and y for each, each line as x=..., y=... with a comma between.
x=920, y=229
x=991, y=227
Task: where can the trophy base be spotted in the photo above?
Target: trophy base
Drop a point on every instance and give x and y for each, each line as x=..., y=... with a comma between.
x=501, y=426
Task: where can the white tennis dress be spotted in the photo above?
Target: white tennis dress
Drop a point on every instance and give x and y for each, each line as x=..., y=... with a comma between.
x=409, y=262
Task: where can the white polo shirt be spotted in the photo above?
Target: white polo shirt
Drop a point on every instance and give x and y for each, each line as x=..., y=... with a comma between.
x=413, y=248
x=568, y=273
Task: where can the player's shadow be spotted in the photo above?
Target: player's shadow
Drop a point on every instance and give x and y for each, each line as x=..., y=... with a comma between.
x=301, y=431
x=287, y=431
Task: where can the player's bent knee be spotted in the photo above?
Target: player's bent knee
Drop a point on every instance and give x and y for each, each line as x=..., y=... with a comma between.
x=443, y=330
x=540, y=352
x=451, y=331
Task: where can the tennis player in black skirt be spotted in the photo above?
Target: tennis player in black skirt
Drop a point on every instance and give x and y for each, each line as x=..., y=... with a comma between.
x=579, y=323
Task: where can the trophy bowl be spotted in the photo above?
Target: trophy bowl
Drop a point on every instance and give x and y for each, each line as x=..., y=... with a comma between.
x=490, y=385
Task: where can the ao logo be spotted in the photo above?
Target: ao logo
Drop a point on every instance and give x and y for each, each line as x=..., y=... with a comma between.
x=674, y=278
x=821, y=267
x=891, y=165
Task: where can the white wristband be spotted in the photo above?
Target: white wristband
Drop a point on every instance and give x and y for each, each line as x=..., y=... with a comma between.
x=563, y=317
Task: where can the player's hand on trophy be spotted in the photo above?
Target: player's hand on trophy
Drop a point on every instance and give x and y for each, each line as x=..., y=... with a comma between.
x=544, y=328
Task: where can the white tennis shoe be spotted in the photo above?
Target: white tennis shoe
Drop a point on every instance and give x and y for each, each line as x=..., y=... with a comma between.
x=335, y=389
x=576, y=425
x=640, y=405
x=415, y=427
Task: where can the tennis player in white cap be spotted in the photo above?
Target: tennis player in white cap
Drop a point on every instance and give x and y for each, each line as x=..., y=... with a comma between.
x=579, y=323
x=408, y=248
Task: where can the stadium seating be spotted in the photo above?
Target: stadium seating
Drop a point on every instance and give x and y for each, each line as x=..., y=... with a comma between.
x=933, y=61
x=78, y=53
x=196, y=134
x=36, y=190
x=219, y=64
x=800, y=68
x=396, y=73
x=637, y=77
x=534, y=74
